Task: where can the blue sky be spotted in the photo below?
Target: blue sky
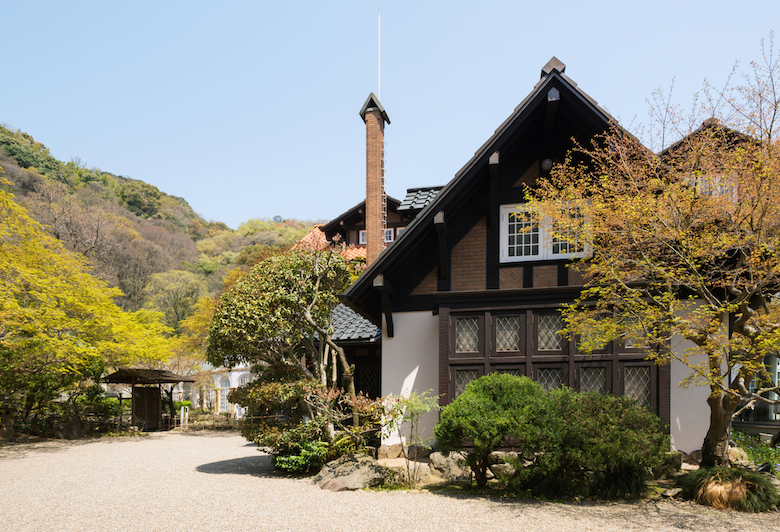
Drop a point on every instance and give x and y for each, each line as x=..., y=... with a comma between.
x=250, y=109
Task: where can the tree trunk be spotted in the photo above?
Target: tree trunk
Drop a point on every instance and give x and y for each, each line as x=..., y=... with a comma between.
x=715, y=450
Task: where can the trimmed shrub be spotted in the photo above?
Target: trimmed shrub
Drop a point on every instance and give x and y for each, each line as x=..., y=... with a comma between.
x=725, y=488
x=490, y=409
x=591, y=445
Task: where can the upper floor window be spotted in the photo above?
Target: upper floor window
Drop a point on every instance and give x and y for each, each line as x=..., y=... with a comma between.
x=389, y=235
x=362, y=237
x=526, y=235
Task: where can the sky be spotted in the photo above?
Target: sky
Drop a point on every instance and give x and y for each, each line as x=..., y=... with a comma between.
x=249, y=109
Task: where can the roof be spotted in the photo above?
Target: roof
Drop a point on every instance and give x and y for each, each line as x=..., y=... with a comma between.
x=372, y=104
x=418, y=198
x=354, y=215
x=579, y=111
x=145, y=376
x=348, y=326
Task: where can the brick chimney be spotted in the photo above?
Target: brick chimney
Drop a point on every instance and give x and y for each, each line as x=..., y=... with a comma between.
x=374, y=116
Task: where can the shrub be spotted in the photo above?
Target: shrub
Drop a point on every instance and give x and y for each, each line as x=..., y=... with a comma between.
x=724, y=488
x=489, y=409
x=758, y=451
x=592, y=445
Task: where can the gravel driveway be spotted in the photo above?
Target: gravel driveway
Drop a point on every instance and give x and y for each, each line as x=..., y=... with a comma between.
x=216, y=481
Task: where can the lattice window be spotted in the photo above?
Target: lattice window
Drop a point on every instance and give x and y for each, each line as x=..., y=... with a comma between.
x=593, y=380
x=549, y=327
x=637, y=384
x=508, y=333
x=523, y=234
x=369, y=379
x=467, y=335
x=462, y=378
x=550, y=378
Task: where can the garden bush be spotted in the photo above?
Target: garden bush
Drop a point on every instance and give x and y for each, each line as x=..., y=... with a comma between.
x=490, y=409
x=591, y=445
x=725, y=488
x=568, y=444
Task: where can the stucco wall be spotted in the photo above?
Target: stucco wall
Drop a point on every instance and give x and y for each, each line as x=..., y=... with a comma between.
x=690, y=414
x=410, y=361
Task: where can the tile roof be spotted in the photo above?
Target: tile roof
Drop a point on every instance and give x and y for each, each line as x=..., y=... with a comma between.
x=348, y=325
x=418, y=198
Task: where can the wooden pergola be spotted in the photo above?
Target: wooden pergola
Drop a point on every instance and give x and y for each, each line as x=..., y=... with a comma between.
x=146, y=397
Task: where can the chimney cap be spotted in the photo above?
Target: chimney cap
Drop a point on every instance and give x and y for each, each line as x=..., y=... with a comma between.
x=553, y=64
x=372, y=104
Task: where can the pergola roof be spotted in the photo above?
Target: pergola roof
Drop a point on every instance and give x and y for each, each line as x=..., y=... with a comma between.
x=145, y=376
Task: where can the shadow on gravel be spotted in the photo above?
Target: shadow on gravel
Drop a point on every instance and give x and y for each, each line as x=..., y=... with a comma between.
x=258, y=466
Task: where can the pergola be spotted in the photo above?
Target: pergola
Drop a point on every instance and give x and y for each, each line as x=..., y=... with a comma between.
x=146, y=397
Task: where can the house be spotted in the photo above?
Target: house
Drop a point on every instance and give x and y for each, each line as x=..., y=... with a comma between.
x=473, y=285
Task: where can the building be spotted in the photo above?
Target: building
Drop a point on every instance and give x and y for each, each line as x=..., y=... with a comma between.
x=460, y=294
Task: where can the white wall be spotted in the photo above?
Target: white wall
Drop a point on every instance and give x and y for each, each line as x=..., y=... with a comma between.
x=410, y=361
x=690, y=414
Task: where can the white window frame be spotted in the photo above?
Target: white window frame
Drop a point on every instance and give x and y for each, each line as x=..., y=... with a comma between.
x=544, y=243
x=362, y=237
x=398, y=231
x=389, y=235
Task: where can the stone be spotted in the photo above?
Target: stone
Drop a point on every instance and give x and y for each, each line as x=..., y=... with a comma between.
x=737, y=455
x=502, y=470
x=673, y=462
x=351, y=472
x=500, y=457
x=390, y=451
x=68, y=428
x=671, y=493
x=452, y=467
x=694, y=458
x=420, y=471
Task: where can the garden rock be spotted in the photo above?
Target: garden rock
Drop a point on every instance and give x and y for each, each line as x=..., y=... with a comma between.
x=671, y=493
x=738, y=455
x=66, y=428
x=452, y=467
x=390, y=451
x=351, y=472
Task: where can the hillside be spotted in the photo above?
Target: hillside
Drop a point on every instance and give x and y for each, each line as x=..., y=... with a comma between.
x=151, y=245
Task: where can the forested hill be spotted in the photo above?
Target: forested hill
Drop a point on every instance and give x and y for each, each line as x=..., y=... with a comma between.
x=135, y=236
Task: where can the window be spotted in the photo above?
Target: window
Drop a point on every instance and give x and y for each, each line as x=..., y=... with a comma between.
x=389, y=236
x=637, y=384
x=362, y=237
x=399, y=230
x=548, y=335
x=224, y=389
x=526, y=236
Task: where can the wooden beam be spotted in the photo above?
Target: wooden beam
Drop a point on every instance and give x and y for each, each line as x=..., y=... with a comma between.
x=385, y=289
x=441, y=230
x=553, y=99
x=493, y=166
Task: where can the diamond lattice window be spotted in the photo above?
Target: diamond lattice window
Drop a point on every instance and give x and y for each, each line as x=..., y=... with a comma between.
x=637, y=384
x=593, y=380
x=550, y=378
x=549, y=327
x=467, y=335
x=462, y=378
x=508, y=333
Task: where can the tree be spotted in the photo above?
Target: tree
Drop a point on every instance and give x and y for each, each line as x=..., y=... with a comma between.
x=174, y=293
x=685, y=244
x=279, y=315
x=58, y=323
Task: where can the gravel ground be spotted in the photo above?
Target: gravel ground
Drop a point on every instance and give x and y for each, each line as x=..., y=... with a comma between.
x=215, y=480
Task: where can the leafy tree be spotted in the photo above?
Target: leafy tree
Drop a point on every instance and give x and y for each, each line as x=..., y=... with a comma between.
x=174, y=293
x=685, y=245
x=141, y=198
x=58, y=324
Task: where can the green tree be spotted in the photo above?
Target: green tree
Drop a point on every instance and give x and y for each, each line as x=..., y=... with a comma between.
x=685, y=245
x=174, y=293
x=58, y=323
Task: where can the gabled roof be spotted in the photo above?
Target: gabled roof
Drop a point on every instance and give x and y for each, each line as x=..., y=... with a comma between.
x=418, y=198
x=352, y=215
x=146, y=376
x=577, y=110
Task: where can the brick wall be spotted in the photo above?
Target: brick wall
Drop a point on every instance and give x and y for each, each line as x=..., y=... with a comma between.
x=375, y=144
x=429, y=285
x=546, y=275
x=510, y=278
x=469, y=259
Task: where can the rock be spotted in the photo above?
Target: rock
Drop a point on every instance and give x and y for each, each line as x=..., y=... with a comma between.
x=694, y=458
x=737, y=455
x=421, y=473
x=671, y=493
x=66, y=428
x=390, y=451
x=673, y=462
x=351, y=472
x=452, y=467
x=500, y=457
x=502, y=470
